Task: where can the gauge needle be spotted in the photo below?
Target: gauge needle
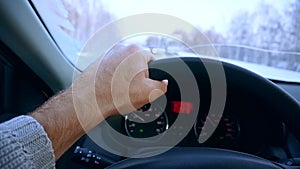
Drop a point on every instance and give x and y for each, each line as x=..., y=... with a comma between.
x=135, y=115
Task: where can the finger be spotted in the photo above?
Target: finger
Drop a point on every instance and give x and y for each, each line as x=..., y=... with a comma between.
x=148, y=56
x=156, y=89
x=152, y=58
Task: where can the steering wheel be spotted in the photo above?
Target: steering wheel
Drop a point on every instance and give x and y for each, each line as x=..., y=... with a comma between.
x=287, y=109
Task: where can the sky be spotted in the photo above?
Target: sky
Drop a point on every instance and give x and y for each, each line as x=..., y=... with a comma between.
x=204, y=14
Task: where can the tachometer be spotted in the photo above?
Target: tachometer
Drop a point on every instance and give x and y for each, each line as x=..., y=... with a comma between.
x=149, y=121
x=226, y=133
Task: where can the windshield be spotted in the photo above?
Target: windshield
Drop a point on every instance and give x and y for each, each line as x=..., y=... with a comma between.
x=258, y=35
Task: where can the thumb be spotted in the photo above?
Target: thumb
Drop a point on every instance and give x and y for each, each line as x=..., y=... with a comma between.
x=156, y=89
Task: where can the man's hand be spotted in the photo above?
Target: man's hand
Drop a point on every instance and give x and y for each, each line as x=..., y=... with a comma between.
x=117, y=83
x=122, y=80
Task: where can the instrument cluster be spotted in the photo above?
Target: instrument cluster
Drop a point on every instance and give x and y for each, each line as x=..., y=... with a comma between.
x=152, y=120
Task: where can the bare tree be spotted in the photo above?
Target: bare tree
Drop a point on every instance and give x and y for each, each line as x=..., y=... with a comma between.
x=274, y=32
x=87, y=17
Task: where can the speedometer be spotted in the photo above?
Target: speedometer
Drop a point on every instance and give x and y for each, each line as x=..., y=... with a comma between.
x=149, y=121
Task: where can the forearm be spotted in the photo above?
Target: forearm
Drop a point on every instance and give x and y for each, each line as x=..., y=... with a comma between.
x=61, y=122
x=58, y=118
x=67, y=116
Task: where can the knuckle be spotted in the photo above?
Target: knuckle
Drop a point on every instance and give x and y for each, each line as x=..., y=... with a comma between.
x=132, y=48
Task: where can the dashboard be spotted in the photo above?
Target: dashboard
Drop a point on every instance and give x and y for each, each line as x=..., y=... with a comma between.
x=249, y=130
x=249, y=122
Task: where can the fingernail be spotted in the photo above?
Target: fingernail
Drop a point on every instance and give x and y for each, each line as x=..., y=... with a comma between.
x=166, y=81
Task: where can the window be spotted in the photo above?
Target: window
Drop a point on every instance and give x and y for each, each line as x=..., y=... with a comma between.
x=259, y=35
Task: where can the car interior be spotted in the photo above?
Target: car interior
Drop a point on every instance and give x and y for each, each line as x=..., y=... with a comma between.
x=257, y=125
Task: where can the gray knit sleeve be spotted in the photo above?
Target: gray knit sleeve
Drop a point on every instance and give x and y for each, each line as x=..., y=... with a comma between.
x=25, y=144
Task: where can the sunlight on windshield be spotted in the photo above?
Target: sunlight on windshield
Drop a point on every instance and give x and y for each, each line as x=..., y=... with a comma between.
x=253, y=32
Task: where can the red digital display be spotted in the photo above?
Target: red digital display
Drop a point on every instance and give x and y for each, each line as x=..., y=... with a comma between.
x=181, y=107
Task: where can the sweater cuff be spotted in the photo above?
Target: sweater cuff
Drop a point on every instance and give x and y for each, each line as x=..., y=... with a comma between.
x=33, y=139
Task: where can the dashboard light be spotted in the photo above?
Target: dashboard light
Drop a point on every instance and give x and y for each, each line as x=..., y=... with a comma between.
x=181, y=107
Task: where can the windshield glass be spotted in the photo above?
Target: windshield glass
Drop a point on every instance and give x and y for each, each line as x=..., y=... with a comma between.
x=258, y=35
